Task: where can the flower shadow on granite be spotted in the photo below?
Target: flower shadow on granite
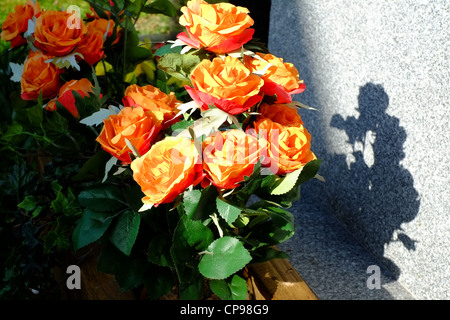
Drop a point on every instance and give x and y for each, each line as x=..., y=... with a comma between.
x=373, y=194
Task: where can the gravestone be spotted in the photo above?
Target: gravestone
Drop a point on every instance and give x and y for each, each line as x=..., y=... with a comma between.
x=378, y=73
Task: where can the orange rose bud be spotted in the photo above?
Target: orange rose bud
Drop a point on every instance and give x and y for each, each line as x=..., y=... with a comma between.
x=135, y=124
x=230, y=156
x=220, y=27
x=282, y=114
x=38, y=76
x=66, y=98
x=162, y=105
x=16, y=23
x=57, y=33
x=167, y=169
x=281, y=78
x=226, y=83
x=91, y=47
x=289, y=148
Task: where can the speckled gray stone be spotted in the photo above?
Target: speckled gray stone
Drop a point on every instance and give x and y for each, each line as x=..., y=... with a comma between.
x=379, y=74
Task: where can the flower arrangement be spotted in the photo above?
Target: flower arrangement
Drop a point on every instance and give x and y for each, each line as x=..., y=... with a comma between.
x=183, y=175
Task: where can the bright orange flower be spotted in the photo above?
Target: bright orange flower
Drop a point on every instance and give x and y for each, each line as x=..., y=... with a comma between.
x=16, y=23
x=282, y=114
x=220, y=27
x=66, y=98
x=281, y=78
x=57, y=34
x=91, y=46
x=38, y=76
x=167, y=170
x=289, y=148
x=135, y=124
x=226, y=83
x=229, y=156
x=162, y=105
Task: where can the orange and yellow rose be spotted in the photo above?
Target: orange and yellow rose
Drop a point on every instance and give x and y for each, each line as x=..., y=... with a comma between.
x=54, y=35
x=281, y=78
x=289, y=147
x=38, y=76
x=162, y=105
x=167, y=170
x=220, y=27
x=135, y=124
x=230, y=156
x=66, y=98
x=226, y=83
x=16, y=23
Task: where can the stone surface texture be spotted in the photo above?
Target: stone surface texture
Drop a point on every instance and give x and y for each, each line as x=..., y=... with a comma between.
x=379, y=74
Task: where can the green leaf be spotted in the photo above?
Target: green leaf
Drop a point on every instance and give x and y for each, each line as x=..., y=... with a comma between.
x=204, y=208
x=90, y=228
x=167, y=49
x=94, y=168
x=125, y=232
x=178, y=65
x=28, y=204
x=236, y=289
x=183, y=256
x=286, y=199
x=102, y=198
x=190, y=201
x=277, y=229
x=227, y=211
x=287, y=183
x=161, y=7
x=224, y=257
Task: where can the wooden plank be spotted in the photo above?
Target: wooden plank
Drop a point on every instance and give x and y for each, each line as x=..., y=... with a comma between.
x=277, y=280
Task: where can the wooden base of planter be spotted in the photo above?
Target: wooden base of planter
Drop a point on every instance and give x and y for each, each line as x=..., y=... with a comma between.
x=277, y=280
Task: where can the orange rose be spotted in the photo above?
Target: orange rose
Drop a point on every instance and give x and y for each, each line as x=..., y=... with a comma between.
x=56, y=34
x=229, y=156
x=137, y=125
x=66, y=98
x=167, y=169
x=281, y=78
x=226, y=83
x=162, y=105
x=105, y=26
x=289, y=148
x=91, y=46
x=220, y=27
x=282, y=114
x=16, y=23
x=38, y=76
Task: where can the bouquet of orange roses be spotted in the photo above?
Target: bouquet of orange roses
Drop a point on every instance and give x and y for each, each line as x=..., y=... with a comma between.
x=197, y=169
x=214, y=165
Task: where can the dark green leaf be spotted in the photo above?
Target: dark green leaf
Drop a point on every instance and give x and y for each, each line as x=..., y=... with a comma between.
x=125, y=231
x=159, y=250
x=230, y=289
x=158, y=281
x=28, y=204
x=102, y=198
x=90, y=228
